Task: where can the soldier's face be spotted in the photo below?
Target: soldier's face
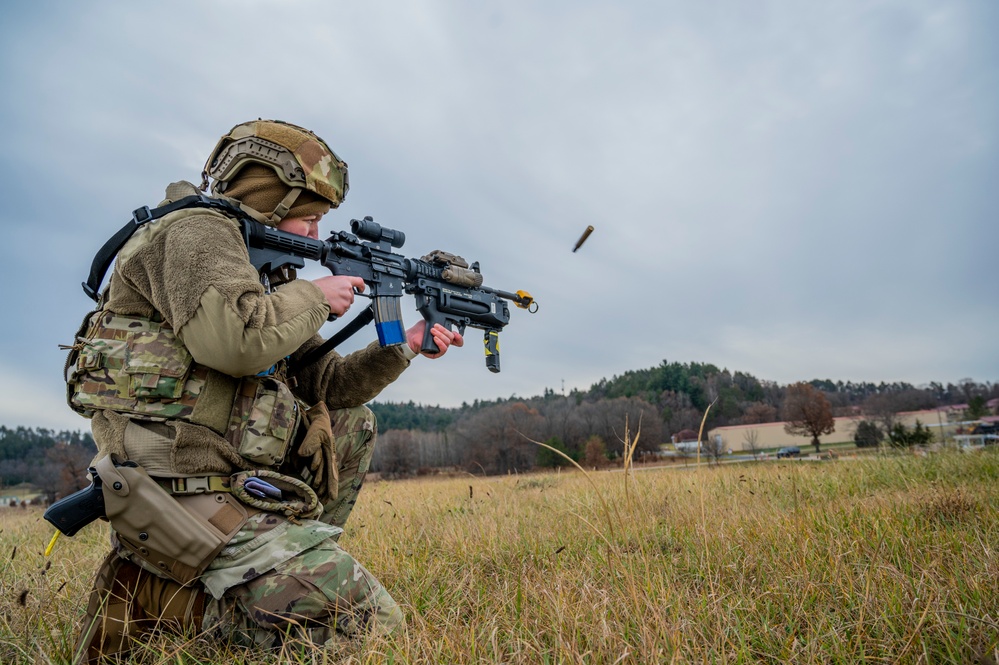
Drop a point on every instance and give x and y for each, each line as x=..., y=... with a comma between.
x=301, y=226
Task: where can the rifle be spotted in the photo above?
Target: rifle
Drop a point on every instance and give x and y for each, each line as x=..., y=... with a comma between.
x=447, y=289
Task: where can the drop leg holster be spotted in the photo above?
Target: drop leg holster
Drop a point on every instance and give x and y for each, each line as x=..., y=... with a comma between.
x=127, y=601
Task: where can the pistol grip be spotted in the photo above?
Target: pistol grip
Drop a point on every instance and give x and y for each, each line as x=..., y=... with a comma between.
x=72, y=513
x=429, y=345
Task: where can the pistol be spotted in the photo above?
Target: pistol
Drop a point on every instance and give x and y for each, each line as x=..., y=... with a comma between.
x=72, y=513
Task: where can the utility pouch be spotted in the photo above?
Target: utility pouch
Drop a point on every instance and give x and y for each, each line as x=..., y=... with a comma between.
x=132, y=365
x=293, y=498
x=157, y=365
x=179, y=538
x=264, y=419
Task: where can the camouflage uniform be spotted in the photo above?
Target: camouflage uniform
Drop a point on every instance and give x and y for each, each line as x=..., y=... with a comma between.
x=319, y=592
x=186, y=280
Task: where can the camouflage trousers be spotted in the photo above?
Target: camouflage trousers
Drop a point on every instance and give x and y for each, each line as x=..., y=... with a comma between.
x=310, y=590
x=354, y=440
x=322, y=591
x=312, y=598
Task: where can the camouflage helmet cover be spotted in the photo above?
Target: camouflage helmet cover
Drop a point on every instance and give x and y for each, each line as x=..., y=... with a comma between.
x=299, y=157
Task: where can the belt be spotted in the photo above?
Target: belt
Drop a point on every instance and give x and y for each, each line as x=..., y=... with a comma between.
x=195, y=484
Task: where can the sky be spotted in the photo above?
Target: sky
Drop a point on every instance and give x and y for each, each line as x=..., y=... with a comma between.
x=792, y=190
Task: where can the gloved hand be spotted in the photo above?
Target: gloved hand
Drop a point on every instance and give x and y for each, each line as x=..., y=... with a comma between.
x=319, y=453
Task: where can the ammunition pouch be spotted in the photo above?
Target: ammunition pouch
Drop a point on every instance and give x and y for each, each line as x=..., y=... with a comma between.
x=178, y=536
x=263, y=420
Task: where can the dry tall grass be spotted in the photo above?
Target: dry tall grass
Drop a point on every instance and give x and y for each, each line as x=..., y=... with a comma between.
x=881, y=560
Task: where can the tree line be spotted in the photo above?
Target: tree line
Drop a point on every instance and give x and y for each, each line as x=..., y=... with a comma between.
x=54, y=461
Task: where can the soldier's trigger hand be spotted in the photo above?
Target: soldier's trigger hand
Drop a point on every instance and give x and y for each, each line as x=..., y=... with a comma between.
x=339, y=291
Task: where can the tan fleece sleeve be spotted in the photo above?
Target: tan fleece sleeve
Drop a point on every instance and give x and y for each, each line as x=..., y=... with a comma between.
x=196, y=272
x=347, y=381
x=217, y=337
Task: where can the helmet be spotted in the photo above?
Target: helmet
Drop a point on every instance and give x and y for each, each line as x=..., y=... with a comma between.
x=301, y=159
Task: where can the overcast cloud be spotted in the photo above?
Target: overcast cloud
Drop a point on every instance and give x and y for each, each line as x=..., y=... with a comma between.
x=794, y=190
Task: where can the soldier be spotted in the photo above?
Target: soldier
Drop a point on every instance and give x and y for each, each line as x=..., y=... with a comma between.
x=229, y=470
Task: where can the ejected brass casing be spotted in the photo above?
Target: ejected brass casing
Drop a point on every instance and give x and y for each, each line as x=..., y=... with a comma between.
x=582, y=238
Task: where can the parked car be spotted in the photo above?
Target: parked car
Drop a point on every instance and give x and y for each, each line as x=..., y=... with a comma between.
x=790, y=451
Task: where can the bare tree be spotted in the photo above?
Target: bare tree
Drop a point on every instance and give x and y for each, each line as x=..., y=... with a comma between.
x=807, y=412
x=498, y=439
x=595, y=454
x=562, y=420
x=758, y=412
x=713, y=447
x=66, y=467
x=678, y=412
x=395, y=454
x=751, y=439
x=883, y=409
x=607, y=418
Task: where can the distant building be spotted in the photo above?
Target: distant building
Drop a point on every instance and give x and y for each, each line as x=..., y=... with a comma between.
x=23, y=493
x=772, y=435
x=955, y=412
x=685, y=441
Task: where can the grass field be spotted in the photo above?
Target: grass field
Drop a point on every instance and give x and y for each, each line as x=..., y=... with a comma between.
x=881, y=559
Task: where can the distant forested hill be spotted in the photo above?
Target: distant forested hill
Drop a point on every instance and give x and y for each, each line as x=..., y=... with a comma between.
x=683, y=391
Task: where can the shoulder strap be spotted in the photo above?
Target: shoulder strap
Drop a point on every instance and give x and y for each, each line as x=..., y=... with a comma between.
x=358, y=322
x=102, y=261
